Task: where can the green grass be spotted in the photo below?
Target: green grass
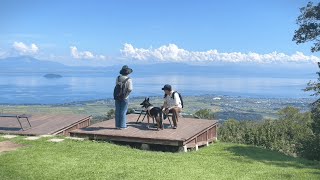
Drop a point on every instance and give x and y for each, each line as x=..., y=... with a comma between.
x=96, y=160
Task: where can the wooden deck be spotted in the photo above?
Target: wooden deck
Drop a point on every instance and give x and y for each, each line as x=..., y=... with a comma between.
x=46, y=124
x=191, y=133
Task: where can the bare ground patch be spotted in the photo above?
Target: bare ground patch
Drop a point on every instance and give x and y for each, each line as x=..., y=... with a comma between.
x=7, y=146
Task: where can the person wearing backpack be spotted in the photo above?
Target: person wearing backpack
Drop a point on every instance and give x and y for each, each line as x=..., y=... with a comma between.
x=172, y=103
x=121, y=96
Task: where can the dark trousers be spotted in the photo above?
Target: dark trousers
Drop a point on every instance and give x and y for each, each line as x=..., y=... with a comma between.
x=175, y=115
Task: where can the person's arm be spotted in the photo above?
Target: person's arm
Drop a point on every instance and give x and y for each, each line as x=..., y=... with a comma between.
x=165, y=106
x=117, y=80
x=130, y=85
x=165, y=103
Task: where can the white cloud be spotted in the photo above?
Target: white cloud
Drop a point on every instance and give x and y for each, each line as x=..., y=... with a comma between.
x=173, y=53
x=84, y=54
x=24, y=49
x=2, y=53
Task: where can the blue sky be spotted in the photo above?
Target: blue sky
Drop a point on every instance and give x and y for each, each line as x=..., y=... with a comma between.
x=98, y=32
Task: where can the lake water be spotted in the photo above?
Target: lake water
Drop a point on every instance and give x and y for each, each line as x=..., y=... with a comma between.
x=35, y=89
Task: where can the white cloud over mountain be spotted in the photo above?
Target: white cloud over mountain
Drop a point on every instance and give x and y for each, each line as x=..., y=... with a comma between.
x=24, y=49
x=173, y=53
x=84, y=54
x=165, y=53
x=2, y=53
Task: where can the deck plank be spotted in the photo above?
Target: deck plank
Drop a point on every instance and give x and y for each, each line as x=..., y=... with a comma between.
x=40, y=124
x=187, y=128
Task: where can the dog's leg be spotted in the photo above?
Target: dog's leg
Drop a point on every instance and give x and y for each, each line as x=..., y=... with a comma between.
x=148, y=121
x=161, y=122
x=158, y=123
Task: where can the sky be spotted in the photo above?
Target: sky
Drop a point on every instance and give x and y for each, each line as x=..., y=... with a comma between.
x=108, y=32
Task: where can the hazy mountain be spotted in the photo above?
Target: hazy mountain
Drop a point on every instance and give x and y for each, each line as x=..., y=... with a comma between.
x=23, y=63
x=29, y=64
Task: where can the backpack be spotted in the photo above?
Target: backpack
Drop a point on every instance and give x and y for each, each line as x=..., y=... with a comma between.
x=120, y=91
x=179, y=97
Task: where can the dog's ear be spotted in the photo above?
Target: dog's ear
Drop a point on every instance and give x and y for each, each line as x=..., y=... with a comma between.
x=148, y=99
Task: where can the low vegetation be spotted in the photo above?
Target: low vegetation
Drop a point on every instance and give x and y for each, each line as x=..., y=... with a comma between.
x=204, y=114
x=286, y=134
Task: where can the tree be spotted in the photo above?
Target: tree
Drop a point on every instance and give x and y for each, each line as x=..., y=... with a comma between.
x=290, y=133
x=204, y=114
x=315, y=108
x=230, y=131
x=309, y=26
x=130, y=111
x=310, y=149
x=110, y=114
x=309, y=31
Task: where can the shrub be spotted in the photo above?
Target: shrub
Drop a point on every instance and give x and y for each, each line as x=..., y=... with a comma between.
x=204, y=114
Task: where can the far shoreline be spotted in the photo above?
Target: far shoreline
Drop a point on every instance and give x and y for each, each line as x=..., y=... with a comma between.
x=311, y=98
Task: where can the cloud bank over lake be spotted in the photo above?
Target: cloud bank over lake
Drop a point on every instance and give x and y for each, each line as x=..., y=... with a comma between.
x=172, y=53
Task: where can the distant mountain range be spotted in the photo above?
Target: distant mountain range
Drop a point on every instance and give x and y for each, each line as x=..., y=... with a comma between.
x=25, y=64
x=30, y=64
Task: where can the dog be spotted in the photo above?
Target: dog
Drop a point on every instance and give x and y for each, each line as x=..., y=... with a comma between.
x=154, y=112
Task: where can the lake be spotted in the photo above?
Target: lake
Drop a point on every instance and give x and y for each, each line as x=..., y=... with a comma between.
x=33, y=88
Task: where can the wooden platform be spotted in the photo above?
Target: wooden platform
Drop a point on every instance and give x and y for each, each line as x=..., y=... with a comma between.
x=191, y=133
x=44, y=124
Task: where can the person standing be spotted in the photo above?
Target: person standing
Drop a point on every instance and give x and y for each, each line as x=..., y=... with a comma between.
x=121, y=95
x=172, y=104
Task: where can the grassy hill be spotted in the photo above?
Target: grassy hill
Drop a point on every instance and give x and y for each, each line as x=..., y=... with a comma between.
x=97, y=160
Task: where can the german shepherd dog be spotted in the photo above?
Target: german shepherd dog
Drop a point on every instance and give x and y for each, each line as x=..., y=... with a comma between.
x=153, y=112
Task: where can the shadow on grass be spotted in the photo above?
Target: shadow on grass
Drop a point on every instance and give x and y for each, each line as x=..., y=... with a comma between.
x=269, y=157
x=316, y=173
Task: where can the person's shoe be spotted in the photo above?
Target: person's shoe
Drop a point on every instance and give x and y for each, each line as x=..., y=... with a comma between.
x=174, y=127
x=123, y=128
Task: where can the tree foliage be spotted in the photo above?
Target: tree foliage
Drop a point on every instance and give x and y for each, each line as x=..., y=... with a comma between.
x=309, y=31
x=204, y=114
x=309, y=26
x=311, y=147
x=285, y=134
x=314, y=86
x=294, y=132
x=110, y=114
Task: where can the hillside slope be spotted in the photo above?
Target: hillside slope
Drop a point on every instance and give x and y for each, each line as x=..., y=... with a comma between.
x=91, y=160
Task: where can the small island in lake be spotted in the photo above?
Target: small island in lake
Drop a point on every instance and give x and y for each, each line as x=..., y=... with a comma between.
x=51, y=76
